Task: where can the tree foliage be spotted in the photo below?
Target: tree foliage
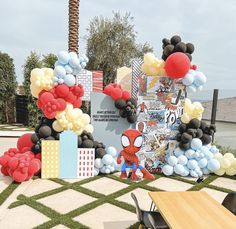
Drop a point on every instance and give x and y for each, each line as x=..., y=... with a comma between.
x=49, y=60
x=7, y=89
x=32, y=61
x=111, y=43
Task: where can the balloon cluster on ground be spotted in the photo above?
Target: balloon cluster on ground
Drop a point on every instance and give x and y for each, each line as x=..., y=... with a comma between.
x=20, y=163
x=68, y=65
x=127, y=106
x=195, y=129
x=107, y=163
x=195, y=161
x=194, y=81
x=227, y=164
x=152, y=66
x=191, y=111
x=175, y=44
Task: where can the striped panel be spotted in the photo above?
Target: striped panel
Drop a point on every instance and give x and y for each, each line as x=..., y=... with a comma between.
x=97, y=81
x=136, y=72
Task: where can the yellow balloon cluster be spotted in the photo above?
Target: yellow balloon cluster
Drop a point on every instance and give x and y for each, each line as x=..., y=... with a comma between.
x=72, y=119
x=227, y=164
x=41, y=79
x=191, y=110
x=152, y=66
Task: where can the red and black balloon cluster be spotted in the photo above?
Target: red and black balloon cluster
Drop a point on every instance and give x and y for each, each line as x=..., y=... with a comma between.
x=175, y=44
x=195, y=129
x=127, y=106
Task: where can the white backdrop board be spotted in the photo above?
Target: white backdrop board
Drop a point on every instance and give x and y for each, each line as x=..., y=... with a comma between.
x=107, y=123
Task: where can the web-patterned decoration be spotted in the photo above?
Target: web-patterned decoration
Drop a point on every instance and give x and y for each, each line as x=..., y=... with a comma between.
x=85, y=166
x=50, y=159
x=85, y=78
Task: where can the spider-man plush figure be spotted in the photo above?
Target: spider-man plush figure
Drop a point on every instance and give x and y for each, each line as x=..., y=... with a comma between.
x=131, y=141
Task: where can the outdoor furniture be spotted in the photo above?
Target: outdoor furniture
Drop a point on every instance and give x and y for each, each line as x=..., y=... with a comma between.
x=193, y=209
x=230, y=202
x=143, y=217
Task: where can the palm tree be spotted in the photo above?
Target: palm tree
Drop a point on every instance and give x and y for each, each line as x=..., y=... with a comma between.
x=73, y=41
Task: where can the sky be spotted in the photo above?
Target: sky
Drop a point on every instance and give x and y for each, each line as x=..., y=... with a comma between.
x=41, y=25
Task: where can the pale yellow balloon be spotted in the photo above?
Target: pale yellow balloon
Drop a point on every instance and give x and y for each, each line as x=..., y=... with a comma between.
x=34, y=91
x=188, y=108
x=220, y=172
x=35, y=74
x=89, y=128
x=218, y=155
x=56, y=126
x=233, y=163
x=85, y=118
x=224, y=163
x=185, y=118
x=229, y=156
x=230, y=171
x=149, y=58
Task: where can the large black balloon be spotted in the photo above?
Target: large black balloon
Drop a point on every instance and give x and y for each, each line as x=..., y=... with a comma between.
x=182, y=128
x=185, y=138
x=79, y=141
x=45, y=131
x=120, y=103
x=36, y=148
x=87, y=144
x=165, y=41
x=199, y=133
x=180, y=47
x=132, y=119
x=175, y=40
x=206, y=139
x=123, y=113
x=168, y=50
x=100, y=152
x=184, y=146
x=194, y=123
x=190, y=48
x=133, y=101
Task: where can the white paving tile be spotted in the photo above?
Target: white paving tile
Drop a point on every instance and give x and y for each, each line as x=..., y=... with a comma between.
x=225, y=183
x=73, y=180
x=142, y=195
x=60, y=226
x=22, y=217
x=217, y=195
x=169, y=184
x=4, y=182
x=66, y=201
x=39, y=186
x=105, y=185
x=99, y=217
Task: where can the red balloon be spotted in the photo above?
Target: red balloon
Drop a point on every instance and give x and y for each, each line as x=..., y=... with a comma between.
x=62, y=90
x=126, y=95
x=116, y=93
x=46, y=97
x=177, y=65
x=24, y=141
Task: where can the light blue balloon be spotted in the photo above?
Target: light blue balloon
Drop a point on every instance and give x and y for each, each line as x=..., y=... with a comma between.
x=81, y=59
x=189, y=153
x=74, y=62
x=107, y=159
x=183, y=160
x=63, y=57
x=199, y=173
x=185, y=173
x=188, y=79
x=102, y=170
x=202, y=163
x=199, y=79
x=60, y=81
x=112, y=151
x=83, y=64
x=68, y=69
x=209, y=155
x=96, y=171
x=206, y=171
x=214, y=149
x=172, y=160
x=59, y=71
x=112, y=169
x=191, y=89
x=98, y=163
x=168, y=170
x=213, y=165
x=192, y=164
x=178, y=152
x=179, y=169
x=73, y=55
x=77, y=70
x=193, y=173
x=69, y=80
x=57, y=63
x=196, y=144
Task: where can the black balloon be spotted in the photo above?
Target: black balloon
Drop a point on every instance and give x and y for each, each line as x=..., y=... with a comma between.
x=132, y=119
x=190, y=48
x=168, y=50
x=206, y=139
x=189, y=56
x=182, y=128
x=165, y=41
x=184, y=146
x=185, y=138
x=175, y=40
x=180, y=47
x=120, y=103
x=194, y=123
x=45, y=131
x=199, y=133
x=34, y=138
x=100, y=152
x=49, y=138
x=123, y=113
x=87, y=144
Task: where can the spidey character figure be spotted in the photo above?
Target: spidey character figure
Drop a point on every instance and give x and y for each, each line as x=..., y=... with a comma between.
x=131, y=141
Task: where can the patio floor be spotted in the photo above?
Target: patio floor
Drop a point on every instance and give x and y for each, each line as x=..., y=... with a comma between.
x=98, y=202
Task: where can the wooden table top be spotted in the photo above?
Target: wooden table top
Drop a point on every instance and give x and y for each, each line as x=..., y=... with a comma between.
x=192, y=210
